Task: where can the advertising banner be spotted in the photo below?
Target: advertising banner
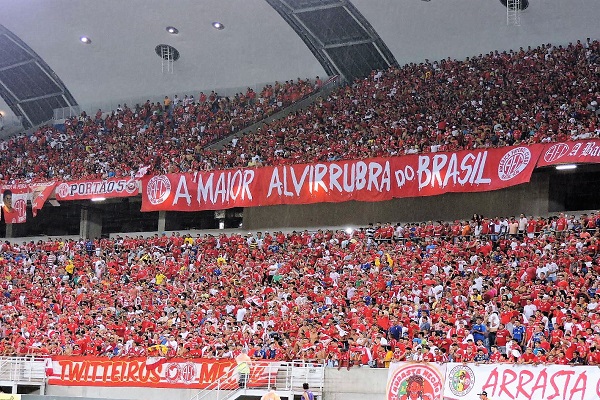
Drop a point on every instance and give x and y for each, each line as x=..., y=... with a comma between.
x=522, y=381
x=374, y=179
x=415, y=381
x=456, y=381
x=146, y=372
x=582, y=151
x=14, y=203
x=90, y=189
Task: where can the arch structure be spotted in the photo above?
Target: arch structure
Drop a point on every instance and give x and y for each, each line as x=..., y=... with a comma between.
x=338, y=35
x=27, y=84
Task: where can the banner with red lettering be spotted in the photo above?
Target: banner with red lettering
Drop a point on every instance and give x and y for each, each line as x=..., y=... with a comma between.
x=582, y=151
x=527, y=382
x=93, y=189
x=374, y=179
x=40, y=192
x=14, y=203
x=408, y=381
x=135, y=372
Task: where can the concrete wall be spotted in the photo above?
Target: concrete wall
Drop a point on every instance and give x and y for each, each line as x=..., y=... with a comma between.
x=356, y=384
x=531, y=198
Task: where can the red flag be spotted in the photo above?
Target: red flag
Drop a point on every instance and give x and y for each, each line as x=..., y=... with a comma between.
x=40, y=192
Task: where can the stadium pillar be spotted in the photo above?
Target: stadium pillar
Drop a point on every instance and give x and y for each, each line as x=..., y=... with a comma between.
x=9, y=231
x=162, y=221
x=90, y=226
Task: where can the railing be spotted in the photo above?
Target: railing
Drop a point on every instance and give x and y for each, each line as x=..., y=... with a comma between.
x=66, y=112
x=286, y=376
x=23, y=369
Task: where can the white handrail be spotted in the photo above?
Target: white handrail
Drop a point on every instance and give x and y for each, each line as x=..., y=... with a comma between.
x=227, y=381
x=23, y=369
x=287, y=376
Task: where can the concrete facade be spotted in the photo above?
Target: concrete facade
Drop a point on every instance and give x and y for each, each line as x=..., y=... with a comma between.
x=531, y=198
x=356, y=384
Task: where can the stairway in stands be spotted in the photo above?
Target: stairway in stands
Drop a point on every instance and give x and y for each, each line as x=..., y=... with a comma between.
x=288, y=379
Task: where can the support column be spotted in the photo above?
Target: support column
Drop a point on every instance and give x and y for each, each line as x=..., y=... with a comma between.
x=9, y=231
x=90, y=223
x=162, y=221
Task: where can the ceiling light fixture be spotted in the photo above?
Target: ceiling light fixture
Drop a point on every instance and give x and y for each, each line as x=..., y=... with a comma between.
x=218, y=25
x=564, y=167
x=85, y=39
x=172, y=30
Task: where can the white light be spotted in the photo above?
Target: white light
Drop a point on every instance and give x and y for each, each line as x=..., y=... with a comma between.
x=218, y=25
x=349, y=231
x=172, y=30
x=565, y=167
x=98, y=199
x=85, y=39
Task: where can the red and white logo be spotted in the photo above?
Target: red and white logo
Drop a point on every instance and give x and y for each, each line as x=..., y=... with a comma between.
x=555, y=152
x=513, y=163
x=20, y=205
x=63, y=190
x=131, y=186
x=181, y=373
x=158, y=189
x=172, y=373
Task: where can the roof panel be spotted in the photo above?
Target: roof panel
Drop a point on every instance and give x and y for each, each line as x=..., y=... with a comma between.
x=298, y=4
x=28, y=81
x=357, y=60
x=40, y=111
x=332, y=25
x=11, y=53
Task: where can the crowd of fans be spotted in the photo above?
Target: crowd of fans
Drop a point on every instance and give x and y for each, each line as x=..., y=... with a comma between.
x=533, y=95
x=519, y=289
x=162, y=137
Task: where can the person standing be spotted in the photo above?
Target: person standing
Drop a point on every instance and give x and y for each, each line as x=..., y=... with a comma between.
x=271, y=395
x=243, y=361
x=307, y=394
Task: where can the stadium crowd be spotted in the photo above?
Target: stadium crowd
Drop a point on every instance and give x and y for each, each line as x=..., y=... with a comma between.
x=166, y=137
x=536, y=95
x=548, y=93
x=519, y=289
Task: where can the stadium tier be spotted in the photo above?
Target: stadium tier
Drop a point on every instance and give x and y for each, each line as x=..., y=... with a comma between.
x=487, y=290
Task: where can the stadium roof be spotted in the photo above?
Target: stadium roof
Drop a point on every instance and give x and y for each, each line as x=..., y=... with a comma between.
x=43, y=63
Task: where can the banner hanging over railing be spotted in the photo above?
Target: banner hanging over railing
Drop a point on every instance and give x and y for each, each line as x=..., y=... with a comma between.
x=13, y=200
x=40, y=192
x=375, y=179
x=146, y=372
x=90, y=189
x=584, y=151
x=455, y=381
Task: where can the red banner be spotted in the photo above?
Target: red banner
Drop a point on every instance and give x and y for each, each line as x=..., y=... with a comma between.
x=521, y=381
x=90, y=189
x=14, y=203
x=133, y=372
x=40, y=192
x=582, y=151
x=374, y=179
